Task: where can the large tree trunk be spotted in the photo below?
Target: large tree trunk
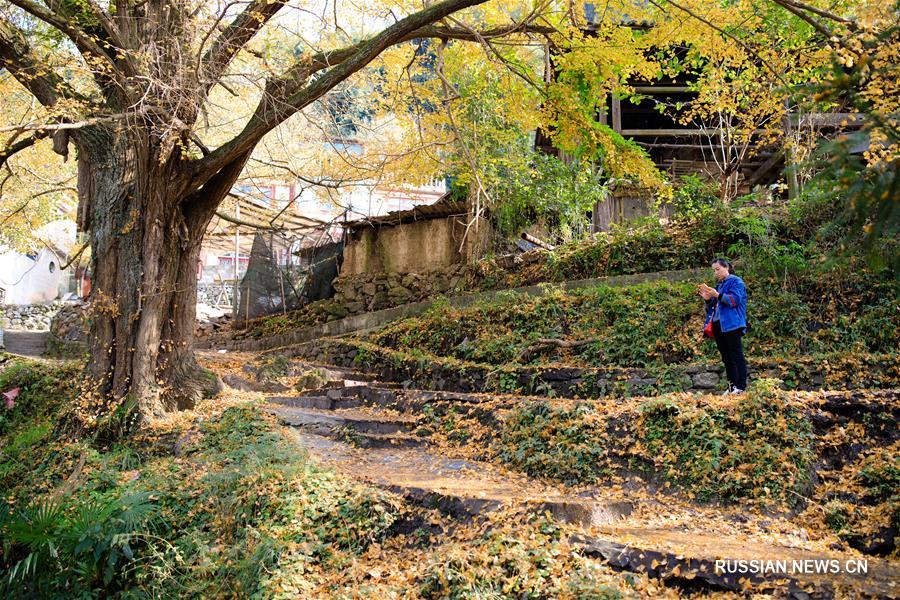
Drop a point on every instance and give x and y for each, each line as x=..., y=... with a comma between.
x=145, y=238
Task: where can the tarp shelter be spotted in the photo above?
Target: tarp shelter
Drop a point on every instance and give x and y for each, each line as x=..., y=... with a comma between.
x=275, y=277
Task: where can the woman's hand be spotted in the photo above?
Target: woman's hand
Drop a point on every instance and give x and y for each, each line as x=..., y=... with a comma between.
x=707, y=292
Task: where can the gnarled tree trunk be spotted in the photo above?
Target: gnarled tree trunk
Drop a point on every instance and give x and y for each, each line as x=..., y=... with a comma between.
x=146, y=233
x=144, y=201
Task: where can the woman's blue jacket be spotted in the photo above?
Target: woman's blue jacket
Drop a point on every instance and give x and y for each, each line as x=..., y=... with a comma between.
x=732, y=303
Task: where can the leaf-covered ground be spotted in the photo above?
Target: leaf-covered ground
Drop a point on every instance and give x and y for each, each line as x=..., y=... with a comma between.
x=218, y=503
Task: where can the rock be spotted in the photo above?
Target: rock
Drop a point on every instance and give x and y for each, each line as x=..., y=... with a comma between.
x=379, y=300
x=183, y=444
x=369, y=289
x=561, y=374
x=355, y=307
x=879, y=543
x=705, y=380
x=312, y=379
x=338, y=311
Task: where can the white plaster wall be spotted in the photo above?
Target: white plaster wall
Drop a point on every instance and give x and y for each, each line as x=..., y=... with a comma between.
x=28, y=281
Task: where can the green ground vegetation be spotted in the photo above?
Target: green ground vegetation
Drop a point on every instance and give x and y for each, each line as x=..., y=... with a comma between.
x=221, y=504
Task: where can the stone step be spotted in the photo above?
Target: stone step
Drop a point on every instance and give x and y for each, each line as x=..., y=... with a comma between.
x=380, y=440
x=245, y=384
x=315, y=401
x=25, y=342
x=615, y=528
x=298, y=367
x=694, y=559
x=458, y=487
x=327, y=421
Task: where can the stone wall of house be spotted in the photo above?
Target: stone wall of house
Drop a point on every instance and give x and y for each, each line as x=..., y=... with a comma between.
x=210, y=293
x=424, y=245
x=33, y=317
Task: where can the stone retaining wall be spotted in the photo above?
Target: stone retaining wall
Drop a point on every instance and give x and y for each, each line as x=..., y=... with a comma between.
x=805, y=373
x=32, y=317
x=371, y=320
x=367, y=292
x=68, y=332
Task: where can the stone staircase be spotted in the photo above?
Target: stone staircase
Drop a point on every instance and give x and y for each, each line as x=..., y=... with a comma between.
x=25, y=343
x=366, y=430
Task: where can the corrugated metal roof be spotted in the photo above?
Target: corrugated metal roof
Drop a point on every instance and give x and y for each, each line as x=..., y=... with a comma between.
x=445, y=207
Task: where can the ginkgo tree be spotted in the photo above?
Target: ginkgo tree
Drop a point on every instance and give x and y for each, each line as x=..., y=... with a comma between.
x=125, y=84
x=162, y=105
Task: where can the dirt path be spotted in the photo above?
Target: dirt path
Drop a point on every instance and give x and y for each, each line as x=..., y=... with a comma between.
x=366, y=430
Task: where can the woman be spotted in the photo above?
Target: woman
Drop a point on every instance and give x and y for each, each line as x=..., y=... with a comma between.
x=726, y=309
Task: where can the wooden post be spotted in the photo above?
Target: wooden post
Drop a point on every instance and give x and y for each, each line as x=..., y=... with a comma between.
x=237, y=247
x=790, y=173
x=616, y=114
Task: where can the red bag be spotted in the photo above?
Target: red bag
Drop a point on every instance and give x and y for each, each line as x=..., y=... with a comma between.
x=708, y=330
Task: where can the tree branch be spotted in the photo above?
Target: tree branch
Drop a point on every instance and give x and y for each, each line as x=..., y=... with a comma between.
x=18, y=58
x=309, y=65
x=85, y=44
x=731, y=36
x=796, y=11
x=22, y=144
x=69, y=125
x=243, y=223
x=288, y=94
x=822, y=13
x=234, y=37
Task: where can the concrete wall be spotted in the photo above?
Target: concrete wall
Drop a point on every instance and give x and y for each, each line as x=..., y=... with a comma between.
x=30, y=281
x=411, y=247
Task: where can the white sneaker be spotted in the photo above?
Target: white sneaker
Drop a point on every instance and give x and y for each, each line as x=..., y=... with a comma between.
x=730, y=390
x=737, y=391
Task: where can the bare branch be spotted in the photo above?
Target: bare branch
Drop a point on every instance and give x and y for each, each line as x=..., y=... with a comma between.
x=75, y=256
x=235, y=36
x=69, y=124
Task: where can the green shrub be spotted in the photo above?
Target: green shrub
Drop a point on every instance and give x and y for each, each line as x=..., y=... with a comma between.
x=215, y=522
x=881, y=477
x=755, y=445
x=657, y=323
x=694, y=198
x=43, y=388
x=79, y=546
x=563, y=444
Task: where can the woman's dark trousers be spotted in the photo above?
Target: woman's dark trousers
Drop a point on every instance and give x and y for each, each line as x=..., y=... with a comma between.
x=732, y=351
